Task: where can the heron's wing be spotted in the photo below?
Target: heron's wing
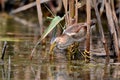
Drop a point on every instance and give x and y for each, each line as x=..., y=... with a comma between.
x=73, y=29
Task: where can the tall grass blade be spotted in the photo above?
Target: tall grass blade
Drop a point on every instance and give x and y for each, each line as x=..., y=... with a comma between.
x=52, y=25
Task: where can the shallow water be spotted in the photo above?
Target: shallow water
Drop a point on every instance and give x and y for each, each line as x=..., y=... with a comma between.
x=18, y=66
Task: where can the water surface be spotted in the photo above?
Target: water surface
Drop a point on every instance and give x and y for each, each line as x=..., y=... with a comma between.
x=18, y=66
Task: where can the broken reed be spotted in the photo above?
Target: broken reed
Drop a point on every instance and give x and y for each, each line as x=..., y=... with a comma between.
x=101, y=28
x=112, y=27
x=111, y=19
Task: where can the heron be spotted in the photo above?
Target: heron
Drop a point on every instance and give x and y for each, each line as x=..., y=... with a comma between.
x=76, y=32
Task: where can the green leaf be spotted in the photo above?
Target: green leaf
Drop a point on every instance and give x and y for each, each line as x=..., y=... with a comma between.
x=52, y=25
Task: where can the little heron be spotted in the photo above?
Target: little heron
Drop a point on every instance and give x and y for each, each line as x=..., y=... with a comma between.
x=75, y=32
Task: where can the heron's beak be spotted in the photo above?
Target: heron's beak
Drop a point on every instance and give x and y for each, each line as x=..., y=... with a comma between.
x=52, y=46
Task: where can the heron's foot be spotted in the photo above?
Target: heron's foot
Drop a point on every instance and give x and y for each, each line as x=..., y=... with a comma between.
x=86, y=55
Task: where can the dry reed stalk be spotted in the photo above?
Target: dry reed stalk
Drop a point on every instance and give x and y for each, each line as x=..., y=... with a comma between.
x=71, y=11
x=88, y=10
x=39, y=11
x=101, y=29
x=25, y=7
x=112, y=28
x=76, y=11
x=65, y=3
x=115, y=19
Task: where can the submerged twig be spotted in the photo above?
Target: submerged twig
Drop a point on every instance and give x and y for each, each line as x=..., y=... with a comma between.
x=9, y=68
x=3, y=50
x=38, y=77
x=3, y=72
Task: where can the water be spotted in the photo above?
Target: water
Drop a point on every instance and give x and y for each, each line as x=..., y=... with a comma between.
x=18, y=66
